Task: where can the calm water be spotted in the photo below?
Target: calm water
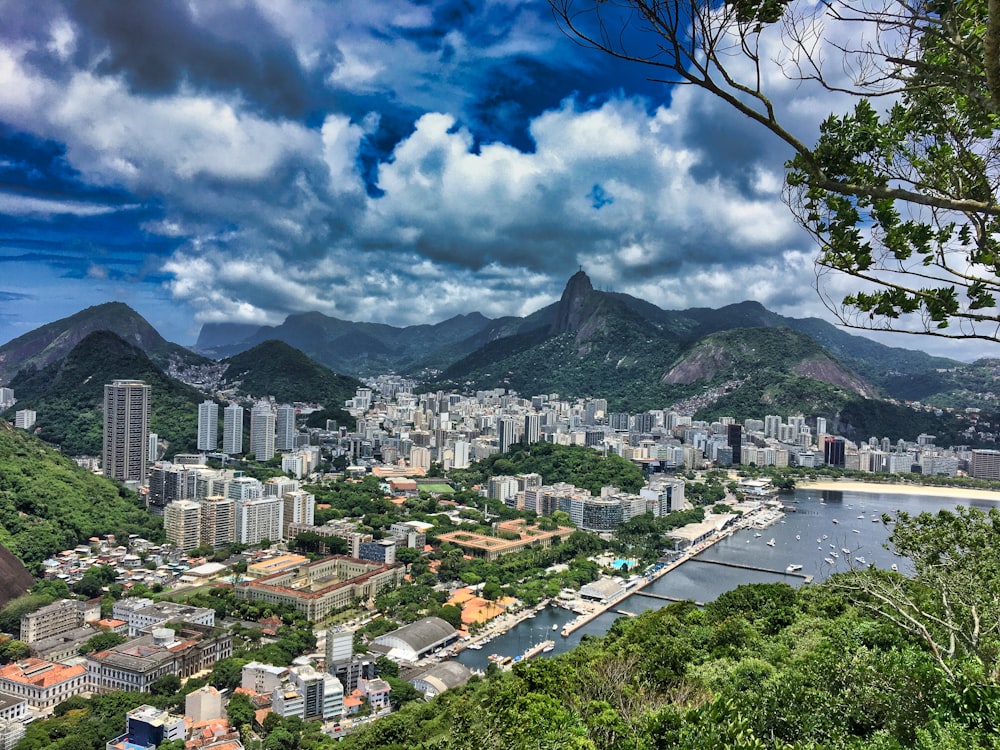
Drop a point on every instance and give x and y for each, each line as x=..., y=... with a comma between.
x=700, y=581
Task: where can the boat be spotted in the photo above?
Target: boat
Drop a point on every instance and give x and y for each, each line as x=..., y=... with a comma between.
x=794, y=567
x=860, y=560
x=862, y=515
x=894, y=567
x=555, y=626
x=757, y=535
x=829, y=560
x=797, y=537
x=834, y=555
x=845, y=550
x=825, y=536
x=770, y=542
x=549, y=645
x=475, y=646
x=855, y=531
x=835, y=520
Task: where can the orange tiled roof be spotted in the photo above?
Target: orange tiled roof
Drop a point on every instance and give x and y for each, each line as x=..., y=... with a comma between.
x=40, y=673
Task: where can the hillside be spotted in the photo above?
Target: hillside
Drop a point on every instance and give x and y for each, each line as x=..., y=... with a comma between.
x=54, y=341
x=277, y=369
x=68, y=395
x=48, y=503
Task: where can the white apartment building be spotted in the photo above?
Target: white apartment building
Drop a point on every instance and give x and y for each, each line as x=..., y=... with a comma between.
x=232, y=430
x=259, y=519
x=208, y=426
x=24, y=419
x=262, y=423
x=299, y=507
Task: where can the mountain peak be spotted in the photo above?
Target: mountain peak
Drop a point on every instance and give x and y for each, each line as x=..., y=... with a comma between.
x=573, y=304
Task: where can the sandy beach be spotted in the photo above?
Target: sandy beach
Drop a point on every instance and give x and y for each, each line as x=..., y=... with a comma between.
x=849, y=485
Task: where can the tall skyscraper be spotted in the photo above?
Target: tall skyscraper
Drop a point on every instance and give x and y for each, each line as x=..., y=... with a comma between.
x=532, y=428
x=232, y=430
x=126, y=430
x=284, y=439
x=262, y=431
x=208, y=426
x=506, y=435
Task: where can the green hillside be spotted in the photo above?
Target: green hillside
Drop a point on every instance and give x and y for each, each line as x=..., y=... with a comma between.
x=277, y=369
x=48, y=503
x=69, y=395
x=576, y=464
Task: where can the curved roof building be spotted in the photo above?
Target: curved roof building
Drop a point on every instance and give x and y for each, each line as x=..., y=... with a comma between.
x=444, y=676
x=414, y=641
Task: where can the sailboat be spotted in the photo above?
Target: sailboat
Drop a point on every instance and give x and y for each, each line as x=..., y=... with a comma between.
x=770, y=542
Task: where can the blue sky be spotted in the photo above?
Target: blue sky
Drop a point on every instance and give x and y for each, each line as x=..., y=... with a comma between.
x=399, y=162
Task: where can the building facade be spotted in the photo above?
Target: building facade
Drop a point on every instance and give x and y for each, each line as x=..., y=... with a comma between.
x=126, y=430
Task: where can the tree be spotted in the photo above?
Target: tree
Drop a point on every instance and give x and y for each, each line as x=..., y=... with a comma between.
x=901, y=197
x=952, y=601
x=240, y=710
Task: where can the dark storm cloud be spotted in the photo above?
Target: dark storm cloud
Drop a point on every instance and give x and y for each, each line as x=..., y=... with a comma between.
x=158, y=45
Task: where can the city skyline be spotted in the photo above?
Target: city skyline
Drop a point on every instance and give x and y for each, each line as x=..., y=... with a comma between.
x=242, y=162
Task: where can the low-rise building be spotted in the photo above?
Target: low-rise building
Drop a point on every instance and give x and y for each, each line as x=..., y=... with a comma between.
x=414, y=641
x=41, y=683
x=136, y=665
x=521, y=537
x=58, y=617
x=318, y=588
x=443, y=676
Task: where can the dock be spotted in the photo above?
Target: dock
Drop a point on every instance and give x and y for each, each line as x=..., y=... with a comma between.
x=665, y=598
x=532, y=652
x=804, y=576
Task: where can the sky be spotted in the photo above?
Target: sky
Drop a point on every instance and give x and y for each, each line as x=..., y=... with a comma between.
x=393, y=161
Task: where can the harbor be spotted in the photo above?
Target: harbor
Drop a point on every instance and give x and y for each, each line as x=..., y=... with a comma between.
x=798, y=543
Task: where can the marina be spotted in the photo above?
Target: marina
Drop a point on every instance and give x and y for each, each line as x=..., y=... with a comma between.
x=741, y=558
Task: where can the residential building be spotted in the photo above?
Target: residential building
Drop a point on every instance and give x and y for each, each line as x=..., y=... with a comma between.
x=262, y=678
x=232, y=430
x=182, y=523
x=284, y=438
x=299, y=507
x=203, y=704
x=323, y=695
x=169, y=482
x=262, y=422
x=218, y=521
x=985, y=464
x=208, y=426
x=126, y=430
x=24, y=419
x=142, y=614
x=259, y=519
x=58, y=617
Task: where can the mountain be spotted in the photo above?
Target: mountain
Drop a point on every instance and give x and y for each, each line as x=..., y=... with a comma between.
x=356, y=348
x=52, y=342
x=68, y=395
x=48, y=503
x=277, y=369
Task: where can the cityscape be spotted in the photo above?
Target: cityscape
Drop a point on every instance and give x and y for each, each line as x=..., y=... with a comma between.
x=407, y=442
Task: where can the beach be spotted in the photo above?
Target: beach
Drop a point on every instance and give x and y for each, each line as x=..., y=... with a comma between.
x=850, y=485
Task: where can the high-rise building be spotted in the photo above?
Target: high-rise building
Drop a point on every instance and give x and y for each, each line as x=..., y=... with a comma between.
x=834, y=452
x=218, y=521
x=284, y=439
x=506, y=435
x=734, y=434
x=300, y=507
x=208, y=426
x=152, y=448
x=259, y=519
x=25, y=419
x=532, y=428
x=126, y=430
x=262, y=431
x=232, y=430
x=182, y=523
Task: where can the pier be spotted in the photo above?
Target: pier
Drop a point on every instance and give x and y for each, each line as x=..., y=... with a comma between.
x=664, y=598
x=806, y=578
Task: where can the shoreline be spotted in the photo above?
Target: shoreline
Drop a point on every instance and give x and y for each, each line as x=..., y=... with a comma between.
x=851, y=485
